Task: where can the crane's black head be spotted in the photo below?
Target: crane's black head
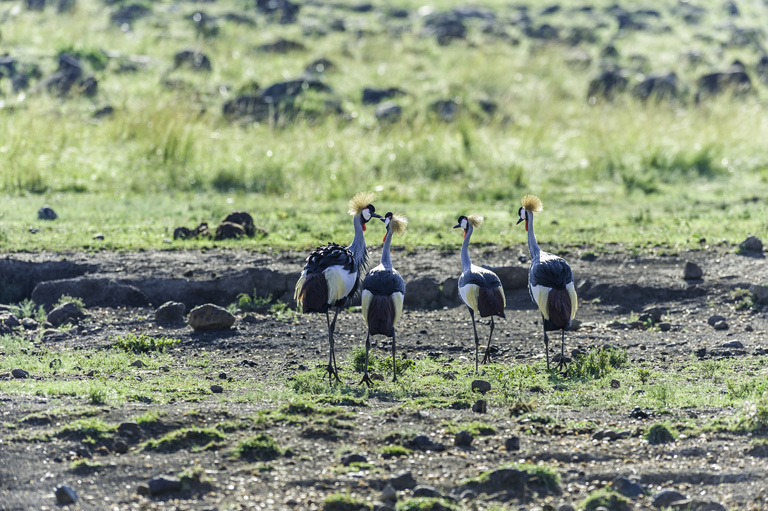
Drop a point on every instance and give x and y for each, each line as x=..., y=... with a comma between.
x=462, y=222
x=387, y=219
x=367, y=213
x=523, y=214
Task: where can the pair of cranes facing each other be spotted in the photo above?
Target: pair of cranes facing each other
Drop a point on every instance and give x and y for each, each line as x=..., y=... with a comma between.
x=333, y=273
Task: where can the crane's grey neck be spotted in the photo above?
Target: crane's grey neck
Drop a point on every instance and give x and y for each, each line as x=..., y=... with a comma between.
x=466, y=264
x=533, y=247
x=386, y=261
x=359, y=253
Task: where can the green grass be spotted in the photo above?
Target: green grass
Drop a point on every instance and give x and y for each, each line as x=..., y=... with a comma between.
x=141, y=343
x=261, y=447
x=660, y=434
x=186, y=438
x=606, y=498
x=426, y=504
x=345, y=502
x=394, y=451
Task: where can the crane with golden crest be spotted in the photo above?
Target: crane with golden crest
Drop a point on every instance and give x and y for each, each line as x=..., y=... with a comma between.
x=332, y=273
x=550, y=281
x=383, y=294
x=479, y=288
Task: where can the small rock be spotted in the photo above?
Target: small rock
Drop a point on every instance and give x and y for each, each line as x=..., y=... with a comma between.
x=463, y=439
x=65, y=313
x=692, y=271
x=733, y=344
x=615, y=384
x=353, y=458
x=170, y=312
x=752, y=244
x=427, y=491
x=98, y=236
x=46, y=213
x=721, y=325
x=19, y=373
x=389, y=494
x=138, y=363
x=627, y=488
x=424, y=443
x=607, y=434
x=638, y=413
x=129, y=429
x=654, y=313
x=210, y=317
x=217, y=389
x=709, y=506
x=29, y=324
x=388, y=111
x=404, y=481
x=565, y=507
x=142, y=489
x=65, y=495
x=664, y=326
x=512, y=443
x=480, y=406
x=120, y=447
x=481, y=386
x=760, y=293
x=714, y=319
x=666, y=498
x=222, y=376
x=163, y=484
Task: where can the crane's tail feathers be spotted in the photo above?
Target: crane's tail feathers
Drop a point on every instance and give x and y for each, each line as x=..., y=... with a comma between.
x=541, y=297
x=381, y=315
x=559, y=307
x=313, y=295
x=574, y=299
x=490, y=302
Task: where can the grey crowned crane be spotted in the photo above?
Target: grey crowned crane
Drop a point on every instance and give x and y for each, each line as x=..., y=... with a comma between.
x=332, y=273
x=383, y=293
x=550, y=282
x=480, y=289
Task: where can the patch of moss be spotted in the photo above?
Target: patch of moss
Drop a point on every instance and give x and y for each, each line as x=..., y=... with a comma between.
x=345, y=502
x=200, y=438
x=261, y=447
x=392, y=451
x=660, y=434
x=607, y=499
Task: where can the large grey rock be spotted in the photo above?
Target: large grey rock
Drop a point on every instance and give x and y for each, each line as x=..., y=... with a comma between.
x=95, y=292
x=404, y=481
x=627, y=488
x=170, y=312
x=163, y=484
x=65, y=495
x=752, y=244
x=65, y=313
x=666, y=498
x=210, y=317
x=760, y=293
x=692, y=271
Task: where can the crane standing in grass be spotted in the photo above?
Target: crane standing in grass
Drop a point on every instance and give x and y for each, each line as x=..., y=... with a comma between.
x=332, y=273
x=550, y=281
x=383, y=293
x=480, y=289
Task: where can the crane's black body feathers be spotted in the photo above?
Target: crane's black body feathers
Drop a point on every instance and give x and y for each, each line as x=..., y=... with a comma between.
x=480, y=277
x=559, y=307
x=490, y=302
x=381, y=281
x=551, y=271
x=329, y=255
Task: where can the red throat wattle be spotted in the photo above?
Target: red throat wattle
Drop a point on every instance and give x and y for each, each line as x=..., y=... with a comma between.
x=465, y=233
x=526, y=225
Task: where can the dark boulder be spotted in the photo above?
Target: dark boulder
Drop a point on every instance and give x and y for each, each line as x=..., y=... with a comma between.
x=229, y=231
x=281, y=91
x=244, y=220
x=284, y=11
x=65, y=313
x=281, y=46
x=608, y=83
x=195, y=59
x=94, y=291
x=170, y=312
x=734, y=79
x=373, y=96
x=389, y=112
x=446, y=109
x=658, y=86
x=128, y=13
x=445, y=27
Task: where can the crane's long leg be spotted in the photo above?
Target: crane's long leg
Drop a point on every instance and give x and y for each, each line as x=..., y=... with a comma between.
x=332, y=370
x=474, y=328
x=366, y=379
x=487, y=357
x=546, y=342
x=562, y=364
x=394, y=362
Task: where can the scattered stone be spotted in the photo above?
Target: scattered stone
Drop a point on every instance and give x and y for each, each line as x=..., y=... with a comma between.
x=658, y=86
x=709, y=506
x=692, y=271
x=446, y=27
x=139, y=364
x=195, y=59
x=389, y=494
x=667, y=498
x=481, y=386
x=427, y=491
x=721, y=325
x=120, y=447
x=734, y=79
x=129, y=429
x=605, y=434
x=714, y=319
x=163, y=484
x=29, y=324
x=65, y=495
x=480, y=406
x=19, y=373
x=353, y=458
x=615, y=384
x=217, y=389
x=638, y=413
x=98, y=236
x=751, y=245
x=627, y=488
x=229, y=231
x=607, y=84
x=46, y=213
x=425, y=443
x=388, y=111
x=375, y=96
x=67, y=312
x=404, y=481
x=185, y=233
x=463, y=439
x=734, y=344
x=759, y=293
x=170, y=312
x=210, y=317
x=665, y=326
x=446, y=109
x=565, y=507
x=512, y=443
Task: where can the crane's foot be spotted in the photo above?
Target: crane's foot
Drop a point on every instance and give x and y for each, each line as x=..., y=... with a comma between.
x=486, y=358
x=332, y=374
x=367, y=380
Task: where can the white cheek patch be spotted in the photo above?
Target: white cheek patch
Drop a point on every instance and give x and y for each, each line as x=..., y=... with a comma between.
x=386, y=222
x=366, y=214
x=464, y=224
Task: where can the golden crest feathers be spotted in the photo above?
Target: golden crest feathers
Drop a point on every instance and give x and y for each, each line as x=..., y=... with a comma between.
x=398, y=223
x=475, y=220
x=360, y=201
x=532, y=204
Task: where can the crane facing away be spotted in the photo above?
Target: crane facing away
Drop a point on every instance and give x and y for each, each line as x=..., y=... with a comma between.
x=480, y=289
x=332, y=273
x=383, y=293
x=550, y=282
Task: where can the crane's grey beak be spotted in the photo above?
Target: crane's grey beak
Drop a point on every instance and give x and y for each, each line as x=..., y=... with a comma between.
x=382, y=218
x=519, y=221
x=376, y=215
x=457, y=226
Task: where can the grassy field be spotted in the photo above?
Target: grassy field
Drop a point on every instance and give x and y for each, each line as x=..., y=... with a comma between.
x=644, y=174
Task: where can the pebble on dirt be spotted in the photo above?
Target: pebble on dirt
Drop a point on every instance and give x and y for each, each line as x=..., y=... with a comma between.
x=627, y=487
x=46, y=213
x=217, y=389
x=163, y=484
x=751, y=245
x=65, y=313
x=19, y=373
x=65, y=495
x=512, y=443
x=463, y=439
x=404, y=481
x=210, y=317
x=667, y=498
x=480, y=406
x=692, y=271
x=170, y=312
x=481, y=386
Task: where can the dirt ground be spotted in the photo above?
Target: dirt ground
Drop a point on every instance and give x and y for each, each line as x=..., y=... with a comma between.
x=710, y=468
